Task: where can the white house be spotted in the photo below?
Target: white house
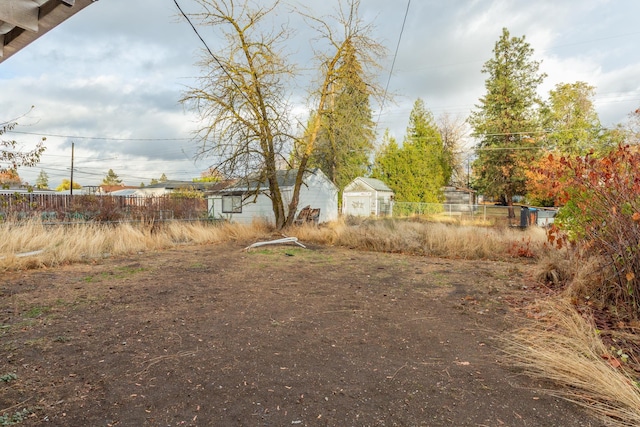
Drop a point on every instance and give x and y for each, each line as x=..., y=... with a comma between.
x=168, y=187
x=367, y=197
x=240, y=203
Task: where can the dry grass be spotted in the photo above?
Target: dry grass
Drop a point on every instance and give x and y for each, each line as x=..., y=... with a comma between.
x=564, y=348
x=427, y=238
x=556, y=268
x=76, y=243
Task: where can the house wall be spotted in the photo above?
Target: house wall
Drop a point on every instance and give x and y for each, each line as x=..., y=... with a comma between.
x=260, y=209
x=318, y=192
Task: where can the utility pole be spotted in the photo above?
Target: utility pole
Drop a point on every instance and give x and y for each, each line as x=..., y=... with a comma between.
x=71, y=185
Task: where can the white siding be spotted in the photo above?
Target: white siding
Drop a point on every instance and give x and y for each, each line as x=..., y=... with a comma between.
x=318, y=192
x=261, y=209
x=356, y=204
x=360, y=199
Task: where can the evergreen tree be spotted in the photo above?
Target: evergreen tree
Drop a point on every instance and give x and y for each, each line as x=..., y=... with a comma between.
x=42, y=182
x=418, y=170
x=111, y=178
x=345, y=139
x=506, y=120
x=388, y=166
x=430, y=166
x=163, y=178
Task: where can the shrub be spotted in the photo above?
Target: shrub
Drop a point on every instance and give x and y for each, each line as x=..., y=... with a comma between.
x=602, y=215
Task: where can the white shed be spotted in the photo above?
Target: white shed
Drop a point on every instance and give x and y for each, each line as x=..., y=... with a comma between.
x=367, y=197
x=239, y=203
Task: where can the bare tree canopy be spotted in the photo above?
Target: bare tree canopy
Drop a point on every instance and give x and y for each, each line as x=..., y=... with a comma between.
x=243, y=96
x=11, y=154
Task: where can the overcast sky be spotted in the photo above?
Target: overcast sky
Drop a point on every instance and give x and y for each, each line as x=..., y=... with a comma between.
x=109, y=78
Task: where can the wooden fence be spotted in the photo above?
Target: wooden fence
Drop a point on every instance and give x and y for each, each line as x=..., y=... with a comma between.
x=65, y=207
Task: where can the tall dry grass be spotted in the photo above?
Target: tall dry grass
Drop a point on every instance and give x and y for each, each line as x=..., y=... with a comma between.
x=55, y=245
x=76, y=243
x=565, y=348
x=428, y=238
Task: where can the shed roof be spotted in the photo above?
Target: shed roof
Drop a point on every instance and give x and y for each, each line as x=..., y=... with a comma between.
x=23, y=21
x=376, y=184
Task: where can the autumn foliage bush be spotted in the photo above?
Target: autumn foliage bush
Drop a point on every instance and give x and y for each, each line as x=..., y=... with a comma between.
x=601, y=217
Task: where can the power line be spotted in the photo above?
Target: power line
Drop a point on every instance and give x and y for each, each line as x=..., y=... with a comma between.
x=211, y=53
x=393, y=63
x=101, y=138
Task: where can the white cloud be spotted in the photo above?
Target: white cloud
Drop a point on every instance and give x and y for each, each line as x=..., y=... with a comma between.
x=118, y=75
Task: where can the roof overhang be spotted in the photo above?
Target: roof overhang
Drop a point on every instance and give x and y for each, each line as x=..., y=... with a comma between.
x=23, y=21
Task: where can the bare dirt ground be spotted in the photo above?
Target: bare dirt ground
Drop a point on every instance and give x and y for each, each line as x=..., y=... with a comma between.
x=276, y=336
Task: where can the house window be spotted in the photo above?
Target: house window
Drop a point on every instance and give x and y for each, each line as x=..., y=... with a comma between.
x=231, y=204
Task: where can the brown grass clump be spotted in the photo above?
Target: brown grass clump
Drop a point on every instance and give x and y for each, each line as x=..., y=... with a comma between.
x=565, y=348
x=32, y=245
x=76, y=243
x=427, y=238
x=556, y=268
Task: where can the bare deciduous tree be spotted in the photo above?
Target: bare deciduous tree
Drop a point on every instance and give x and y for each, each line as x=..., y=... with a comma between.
x=453, y=130
x=243, y=97
x=11, y=154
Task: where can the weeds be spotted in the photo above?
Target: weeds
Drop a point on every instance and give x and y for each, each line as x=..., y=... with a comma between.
x=7, y=378
x=15, y=418
x=35, y=312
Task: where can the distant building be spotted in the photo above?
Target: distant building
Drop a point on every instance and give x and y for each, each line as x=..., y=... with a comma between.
x=111, y=189
x=171, y=186
x=367, y=197
x=459, y=198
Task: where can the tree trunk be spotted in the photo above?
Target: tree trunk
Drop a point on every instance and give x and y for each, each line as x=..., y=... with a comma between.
x=509, y=202
x=276, y=196
x=295, y=197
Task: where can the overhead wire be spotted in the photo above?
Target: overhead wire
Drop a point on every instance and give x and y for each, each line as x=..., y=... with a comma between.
x=215, y=58
x=101, y=138
x=393, y=62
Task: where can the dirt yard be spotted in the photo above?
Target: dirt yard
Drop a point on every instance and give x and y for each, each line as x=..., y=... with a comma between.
x=276, y=336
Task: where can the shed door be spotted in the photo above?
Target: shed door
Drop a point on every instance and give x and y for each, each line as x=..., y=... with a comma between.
x=358, y=206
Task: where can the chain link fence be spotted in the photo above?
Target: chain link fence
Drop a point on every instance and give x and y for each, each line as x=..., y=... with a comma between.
x=493, y=214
